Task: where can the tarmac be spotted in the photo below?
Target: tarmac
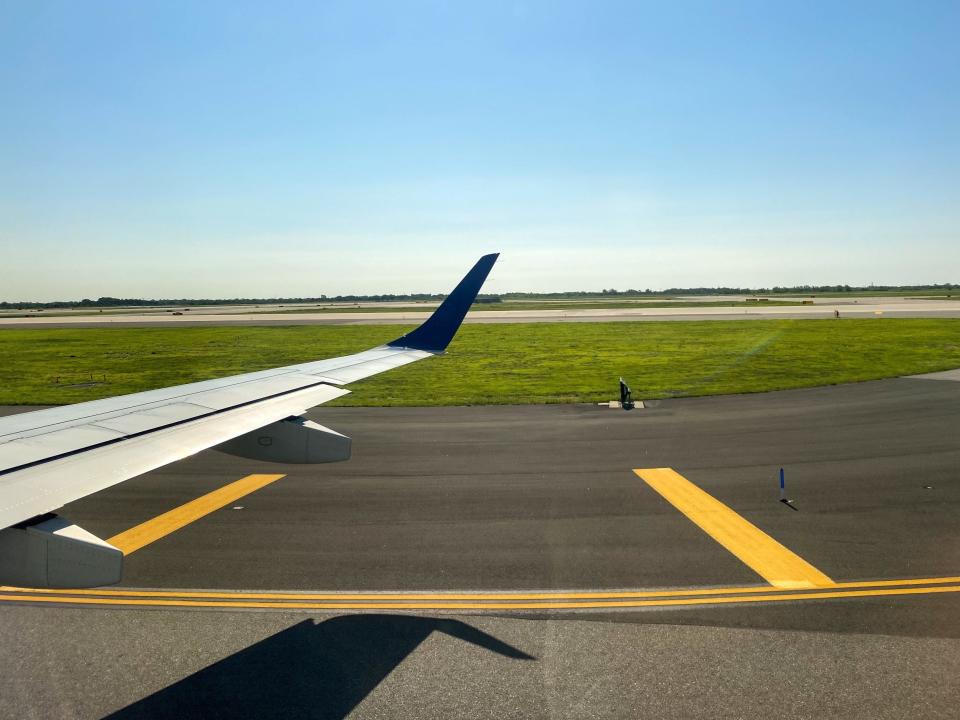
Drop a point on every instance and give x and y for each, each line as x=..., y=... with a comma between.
x=854, y=307
x=509, y=562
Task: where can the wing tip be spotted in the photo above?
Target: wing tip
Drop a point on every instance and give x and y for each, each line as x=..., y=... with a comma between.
x=439, y=329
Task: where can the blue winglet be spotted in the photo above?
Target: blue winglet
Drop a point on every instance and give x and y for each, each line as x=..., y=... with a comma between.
x=438, y=330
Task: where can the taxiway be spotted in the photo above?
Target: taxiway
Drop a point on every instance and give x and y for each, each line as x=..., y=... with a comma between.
x=444, y=504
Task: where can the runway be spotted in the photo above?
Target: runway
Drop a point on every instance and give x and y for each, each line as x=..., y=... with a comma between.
x=509, y=562
x=822, y=308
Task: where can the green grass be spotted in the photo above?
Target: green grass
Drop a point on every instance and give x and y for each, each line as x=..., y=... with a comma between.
x=497, y=363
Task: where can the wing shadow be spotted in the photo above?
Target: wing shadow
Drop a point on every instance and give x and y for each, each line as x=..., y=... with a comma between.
x=310, y=670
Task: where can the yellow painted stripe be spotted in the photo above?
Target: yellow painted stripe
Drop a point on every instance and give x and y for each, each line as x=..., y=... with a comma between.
x=475, y=596
x=765, y=556
x=152, y=530
x=581, y=605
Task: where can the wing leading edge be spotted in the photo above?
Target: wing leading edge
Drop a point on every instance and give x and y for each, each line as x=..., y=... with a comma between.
x=51, y=457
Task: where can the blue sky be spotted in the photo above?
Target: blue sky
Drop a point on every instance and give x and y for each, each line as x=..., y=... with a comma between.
x=231, y=149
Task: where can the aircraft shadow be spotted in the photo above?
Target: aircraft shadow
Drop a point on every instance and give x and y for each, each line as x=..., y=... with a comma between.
x=310, y=670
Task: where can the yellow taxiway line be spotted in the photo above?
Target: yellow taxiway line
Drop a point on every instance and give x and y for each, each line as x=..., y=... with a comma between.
x=558, y=595
x=761, y=553
x=390, y=602
x=152, y=530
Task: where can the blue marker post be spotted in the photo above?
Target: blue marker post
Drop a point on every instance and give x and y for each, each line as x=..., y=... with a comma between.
x=783, y=492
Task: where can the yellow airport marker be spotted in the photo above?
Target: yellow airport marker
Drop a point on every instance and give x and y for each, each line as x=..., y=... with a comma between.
x=479, y=596
x=761, y=553
x=152, y=530
x=374, y=602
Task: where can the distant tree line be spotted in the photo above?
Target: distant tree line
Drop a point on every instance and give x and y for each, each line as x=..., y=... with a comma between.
x=111, y=302
x=777, y=289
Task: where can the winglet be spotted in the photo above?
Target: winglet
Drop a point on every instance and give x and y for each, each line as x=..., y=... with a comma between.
x=438, y=330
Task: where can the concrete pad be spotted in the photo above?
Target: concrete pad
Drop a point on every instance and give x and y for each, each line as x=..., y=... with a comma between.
x=952, y=375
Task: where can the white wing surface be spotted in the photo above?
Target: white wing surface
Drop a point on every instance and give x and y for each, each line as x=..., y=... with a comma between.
x=51, y=457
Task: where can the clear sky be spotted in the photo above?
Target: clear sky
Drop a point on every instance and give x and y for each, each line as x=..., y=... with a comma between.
x=222, y=149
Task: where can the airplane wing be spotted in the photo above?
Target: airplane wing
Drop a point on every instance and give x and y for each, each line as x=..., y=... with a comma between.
x=49, y=458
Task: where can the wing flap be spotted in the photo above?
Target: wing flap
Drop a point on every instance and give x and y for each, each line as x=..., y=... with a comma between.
x=143, y=420
x=227, y=397
x=26, y=451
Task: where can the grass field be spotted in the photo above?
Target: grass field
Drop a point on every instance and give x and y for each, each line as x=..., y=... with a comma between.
x=488, y=364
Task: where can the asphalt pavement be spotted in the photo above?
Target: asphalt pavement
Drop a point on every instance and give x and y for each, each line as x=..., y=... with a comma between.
x=537, y=499
x=862, y=307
